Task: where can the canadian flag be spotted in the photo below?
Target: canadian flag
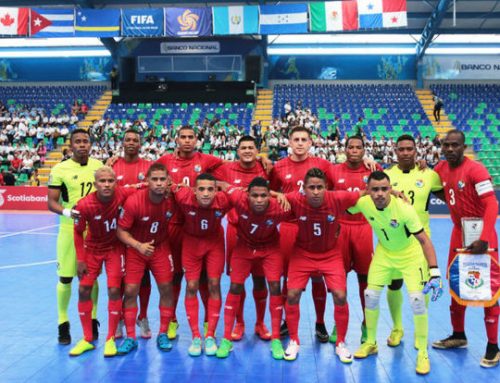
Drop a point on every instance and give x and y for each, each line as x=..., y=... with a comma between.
x=14, y=21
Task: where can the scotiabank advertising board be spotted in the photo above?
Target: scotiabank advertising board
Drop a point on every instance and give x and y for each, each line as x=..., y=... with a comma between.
x=23, y=198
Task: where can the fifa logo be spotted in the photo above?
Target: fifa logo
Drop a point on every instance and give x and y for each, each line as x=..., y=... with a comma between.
x=474, y=280
x=142, y=19
x=236, y=20
x=188, y=21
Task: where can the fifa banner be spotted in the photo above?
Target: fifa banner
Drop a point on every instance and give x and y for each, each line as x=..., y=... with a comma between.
x=188, y=22
x=484, y=67
x=142, y=22
x=474, y=279
x=23, y=198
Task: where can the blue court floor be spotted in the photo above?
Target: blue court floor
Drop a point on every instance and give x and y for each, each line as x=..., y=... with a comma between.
x=30, y=353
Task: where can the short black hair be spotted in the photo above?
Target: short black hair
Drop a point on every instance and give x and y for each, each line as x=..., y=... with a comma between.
x=298, y=129
x=205, y=177
x=133, y=131
x=355, y=137
x=78, y=131
x=456, y=131
x=378, y=175
x=315, y=173
x=184, y=127
x=405, y=137
x=259, y=182
x=247, y=138
x=156, y=167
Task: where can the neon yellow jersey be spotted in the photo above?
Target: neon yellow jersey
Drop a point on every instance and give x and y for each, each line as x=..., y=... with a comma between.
x=394, y=225
x=75, y=182
x=417, y=185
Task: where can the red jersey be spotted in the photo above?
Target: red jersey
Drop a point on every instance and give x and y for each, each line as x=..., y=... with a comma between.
x=319, y=227
x=346, y=178
x=131, y=173
x=464, y=188
x=145, y=220
x=257, y=230
x=100, y=220
x=200, y=221
x=185, y=170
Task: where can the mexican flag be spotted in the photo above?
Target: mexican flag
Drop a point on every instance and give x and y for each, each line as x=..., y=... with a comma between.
x=333, y=16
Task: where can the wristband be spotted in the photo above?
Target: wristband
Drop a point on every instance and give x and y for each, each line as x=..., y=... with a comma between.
x=434, y=272
x=66, y=212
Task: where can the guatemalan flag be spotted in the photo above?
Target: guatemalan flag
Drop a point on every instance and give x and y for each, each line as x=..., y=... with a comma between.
x=280, y=19
x=382, y=14
x=237, y=20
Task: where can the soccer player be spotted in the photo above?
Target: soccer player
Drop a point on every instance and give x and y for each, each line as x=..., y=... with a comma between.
x=316, y=251
x=403, y=247
x=142, y=226
x=240, y=174
x=203, y=244
x=257, y=245
x=99, y=213
x=131, y=170
x=70, y=181
x=417, y=184
x=469, y=193
x=352, y=175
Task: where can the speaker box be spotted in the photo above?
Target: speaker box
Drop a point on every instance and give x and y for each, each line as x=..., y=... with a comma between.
x=127, y=69
x=253, y=66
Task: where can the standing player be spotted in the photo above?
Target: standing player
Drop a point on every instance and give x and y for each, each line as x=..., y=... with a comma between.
x=130, y=170
x=316, y=251
x=469, y=193
x=257, y=246
x=143, y=228
x=417, y=185
x=98, y=218
x=70, y=181
x=240, y=174
x=403, y=247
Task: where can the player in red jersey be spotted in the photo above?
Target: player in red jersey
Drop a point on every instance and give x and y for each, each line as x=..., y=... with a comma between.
x=130, y=170
x=143, y=228
x=316, y=251
x=98, y=216
x=241, y=173
x=203, y=245
x=257, y=245
x=183, y=167
x=469, y=193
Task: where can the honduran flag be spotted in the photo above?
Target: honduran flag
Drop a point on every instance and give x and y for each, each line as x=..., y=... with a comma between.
x=333, y=16
x=283, y=18
x=14, y=21
x=382, y=14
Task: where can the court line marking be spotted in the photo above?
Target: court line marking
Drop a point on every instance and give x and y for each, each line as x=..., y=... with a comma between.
x=26, y=265
x=27, y=231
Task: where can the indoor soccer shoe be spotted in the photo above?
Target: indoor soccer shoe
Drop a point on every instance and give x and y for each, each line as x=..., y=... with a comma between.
x=492, y=356
x=225, y=347
x=81, y=347
x=238, y=331
x=210, y=346
x=292, y=350
x=262, y=332
x=110, y=348
x=343, y=353
x=172, y=330
x=119, y=330
x=365, y=350
x=144, y=328
x=163, y=343
x=127, y=346
x=64, y=336
x=450, y=342
x=195, y=348
x=333, y=336
x=423, y=363
x=394, y=340
x=95, y=329
x=322, y=333
x=277, y=349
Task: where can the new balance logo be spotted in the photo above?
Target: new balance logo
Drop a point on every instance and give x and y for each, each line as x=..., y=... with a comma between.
x=145, y=219
x=288, y=176
x=341, y=181
x=192, y=213
x=97, y=217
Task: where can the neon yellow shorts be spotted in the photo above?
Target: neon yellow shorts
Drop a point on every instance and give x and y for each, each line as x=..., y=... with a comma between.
x=66, y=253
x=409, y=265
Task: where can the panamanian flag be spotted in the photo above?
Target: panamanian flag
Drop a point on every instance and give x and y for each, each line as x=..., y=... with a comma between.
x=374, y=14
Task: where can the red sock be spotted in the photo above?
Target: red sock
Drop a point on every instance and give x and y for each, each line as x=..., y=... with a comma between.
x=319, y=297
x=341, y=316
x=276, y=310
x=213, y=315
x=192, y=309
x=166, y=315
x=491, y=323
x=241, y=307
x=85, y=311
x=177, y=293
x=362, y=288
x=260, y=298
x=230, y=309
x=457, y=313
x=292, y=320
x=203, y=289
x=122, y=293
x=129, y=314
x=144, y=294
x=114, y=315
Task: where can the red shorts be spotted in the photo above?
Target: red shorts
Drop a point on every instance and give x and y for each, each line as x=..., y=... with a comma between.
x=304, y=264
x=113, y=261
x=199, y=252
x=231, y=239
x=356, y=245
x=175, y=234
x=288, y=234
x=245, y=260
x=160, y=263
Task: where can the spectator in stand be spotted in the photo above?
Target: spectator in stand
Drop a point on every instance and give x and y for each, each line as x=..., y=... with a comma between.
x=438, y=104
x=9, y=179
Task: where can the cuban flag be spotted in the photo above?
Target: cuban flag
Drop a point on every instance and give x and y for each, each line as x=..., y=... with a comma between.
x=280, y=19
x=47, y=22
x=375, y=14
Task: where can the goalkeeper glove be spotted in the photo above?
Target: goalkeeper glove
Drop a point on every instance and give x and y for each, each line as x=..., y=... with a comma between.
x=435, y=284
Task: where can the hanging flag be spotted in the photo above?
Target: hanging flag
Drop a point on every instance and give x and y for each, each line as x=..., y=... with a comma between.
x=188, y=22
x=14, y=21
x=279, y=19
x=142, y=22
x=46, y=22
x=382, y=14
x=236, y=20
x=97, y=23
x=334, y=16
